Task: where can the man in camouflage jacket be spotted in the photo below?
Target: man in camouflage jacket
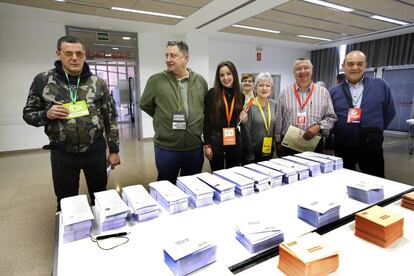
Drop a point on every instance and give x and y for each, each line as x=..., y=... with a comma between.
x=78, y=143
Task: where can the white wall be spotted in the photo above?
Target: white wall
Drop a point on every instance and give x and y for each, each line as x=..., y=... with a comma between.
x=28, y=37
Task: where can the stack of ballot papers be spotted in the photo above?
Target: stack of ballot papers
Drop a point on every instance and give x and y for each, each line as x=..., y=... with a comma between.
x=308, y=255
x=303, y=171
x=244, y=185
x=408, y=201
x=169, y=196
x=275, y=176
x=326, y=164
x=141, y=205
x=261, y=181
x=319, y=212
x=379, y=226
x=338, y=162
x=289, y=175
x=189, y=254
x=258, y=235
x=76, y=218
x=200, y=193
x=223, y=190
x=314, y=167
x=111, y=210
x=368, y=193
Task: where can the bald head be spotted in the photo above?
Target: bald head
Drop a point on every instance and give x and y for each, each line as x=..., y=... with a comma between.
x=354, y=66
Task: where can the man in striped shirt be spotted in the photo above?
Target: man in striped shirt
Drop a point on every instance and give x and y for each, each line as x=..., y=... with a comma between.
x=305, y=105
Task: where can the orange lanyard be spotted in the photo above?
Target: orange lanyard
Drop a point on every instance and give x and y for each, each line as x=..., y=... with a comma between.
x=228, y=113
x=302, y=106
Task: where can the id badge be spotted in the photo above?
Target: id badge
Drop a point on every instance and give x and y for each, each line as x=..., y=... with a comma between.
x=267, y=146
x=354, y=115
x=178, y=121
x=78, y=109
x=229, y=136
x=300, y=118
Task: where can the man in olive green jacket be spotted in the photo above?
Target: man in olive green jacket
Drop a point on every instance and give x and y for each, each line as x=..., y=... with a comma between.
x=175, y=100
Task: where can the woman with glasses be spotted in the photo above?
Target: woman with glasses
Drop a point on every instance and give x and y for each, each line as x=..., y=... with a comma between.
x=247, y=80
x=222, y=114
x=261, y=122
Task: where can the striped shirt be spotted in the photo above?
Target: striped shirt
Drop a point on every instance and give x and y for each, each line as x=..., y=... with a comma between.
x=319, y=110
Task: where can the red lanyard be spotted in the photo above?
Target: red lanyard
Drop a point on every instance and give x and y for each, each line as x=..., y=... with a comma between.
x=228, y=113
x=302, y=106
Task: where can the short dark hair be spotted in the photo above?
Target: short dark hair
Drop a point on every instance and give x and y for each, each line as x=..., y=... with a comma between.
x=246, y=76
x=340, y=78
x=182, y=46
x=68, y=39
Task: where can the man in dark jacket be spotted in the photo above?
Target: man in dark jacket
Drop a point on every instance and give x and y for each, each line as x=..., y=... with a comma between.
x=76, y=111
x=364, y=107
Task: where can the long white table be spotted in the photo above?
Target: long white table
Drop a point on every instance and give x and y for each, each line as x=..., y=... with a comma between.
x=143, y=254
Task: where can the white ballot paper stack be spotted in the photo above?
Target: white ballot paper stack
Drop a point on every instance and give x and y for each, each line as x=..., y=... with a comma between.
x=314, y=167
x=303, y=171
x=261, y=181
x=338, y=162
x=76, y=218
x=244, y=185
x=319, y=212
x=200, y=193
x=189, y=254
x=326, y=164
x=368, y=193
x=169, y=196
x=258, y=235
x=275, y=176
x=223, y=189
x=289, y=175
x=141, y=205
x=111, y=210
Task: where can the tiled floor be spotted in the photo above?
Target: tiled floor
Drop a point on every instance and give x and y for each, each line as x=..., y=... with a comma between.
x=27, y=201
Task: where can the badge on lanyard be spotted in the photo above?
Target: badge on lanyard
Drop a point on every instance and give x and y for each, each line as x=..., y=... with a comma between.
x=354, y=115
x=301, y=118
x=229, y=136
x=77, y=109
x=267, y=146
x=178, y=121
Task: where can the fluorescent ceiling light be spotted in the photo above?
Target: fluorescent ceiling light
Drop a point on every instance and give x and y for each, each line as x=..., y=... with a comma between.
x=256, y=29
x=149, y=13
x=386, y=19
x=59, y=0
x=115, y=48
x=126, y=38
x=329, y=5
x=314, y=37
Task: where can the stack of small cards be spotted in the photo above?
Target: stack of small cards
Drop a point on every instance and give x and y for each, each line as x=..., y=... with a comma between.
x=261, y=181
x=314, y=167
x=244, y=185
x=319, y=213
x=200, y=193
x=327, y=165
x=189, y=254
x=76, y=218
x=368, y=193
x=303, y=171
x=169, y=196
x=275, y=176
x=289, y=175
x=258, y=235
x=308, y=255
x=338, y=162
x=223, y=190
x=408, y=201
x=142, y=206
x=379, y=226
x=111, y=210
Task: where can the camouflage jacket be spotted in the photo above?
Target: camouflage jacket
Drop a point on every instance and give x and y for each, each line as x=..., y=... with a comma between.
x=81, y=134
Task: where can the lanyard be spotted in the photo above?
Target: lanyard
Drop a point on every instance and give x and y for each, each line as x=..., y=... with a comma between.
x=229, y=114
x=357, y=100
x=267, y=125
x=73, y=95
x=302, y=106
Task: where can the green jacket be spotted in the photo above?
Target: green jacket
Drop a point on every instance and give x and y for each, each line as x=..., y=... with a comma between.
x=161, y=99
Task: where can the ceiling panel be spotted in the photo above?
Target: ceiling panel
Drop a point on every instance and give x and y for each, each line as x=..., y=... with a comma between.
x=163, y=7
x=190, y=3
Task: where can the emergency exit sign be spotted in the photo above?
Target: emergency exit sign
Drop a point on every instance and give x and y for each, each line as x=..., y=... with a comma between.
x=101, y=36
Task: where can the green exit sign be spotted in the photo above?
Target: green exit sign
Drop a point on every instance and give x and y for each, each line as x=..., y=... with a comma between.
x=101, y=36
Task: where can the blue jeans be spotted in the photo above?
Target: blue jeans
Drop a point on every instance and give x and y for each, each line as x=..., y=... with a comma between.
x=170, y=163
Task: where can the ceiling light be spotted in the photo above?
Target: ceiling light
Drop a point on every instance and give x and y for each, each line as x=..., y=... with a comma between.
x=59, y=0
x=256, y=29
x=149, y=13
x=329, y=5
x=126, y=38
x=115, y=48
x=314, y=37
x=386, y=19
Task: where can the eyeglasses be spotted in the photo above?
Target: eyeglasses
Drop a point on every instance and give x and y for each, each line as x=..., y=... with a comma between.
x=69, y=54
x=249, y=81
